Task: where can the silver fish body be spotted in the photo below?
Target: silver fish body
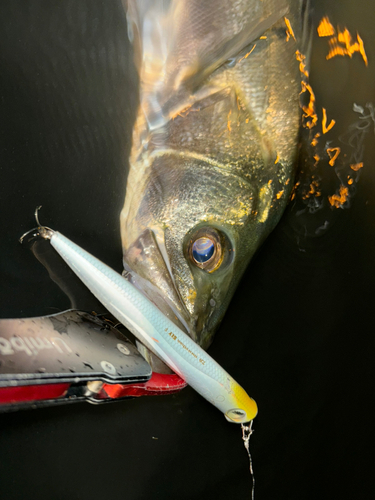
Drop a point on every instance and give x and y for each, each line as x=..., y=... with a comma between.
x=214, y=147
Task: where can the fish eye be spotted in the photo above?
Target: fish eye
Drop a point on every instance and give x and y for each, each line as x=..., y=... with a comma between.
x=206, y=248
x=203, y=250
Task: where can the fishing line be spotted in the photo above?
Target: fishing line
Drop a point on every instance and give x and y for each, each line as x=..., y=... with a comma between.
x=247, y=430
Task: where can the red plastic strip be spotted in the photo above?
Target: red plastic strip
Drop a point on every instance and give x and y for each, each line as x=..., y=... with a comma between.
x=23, y=393
x=158, y=384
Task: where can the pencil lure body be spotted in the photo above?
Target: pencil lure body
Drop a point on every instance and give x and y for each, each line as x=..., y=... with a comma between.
x=156, y=331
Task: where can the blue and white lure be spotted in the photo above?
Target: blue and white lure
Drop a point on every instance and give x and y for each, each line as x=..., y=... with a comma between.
x=154, y=329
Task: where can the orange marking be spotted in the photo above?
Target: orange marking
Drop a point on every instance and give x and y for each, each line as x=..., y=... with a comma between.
x=313, y=190
x=325, y=28
x=277, y=158
x=362, y=49
x=348, y=47
x=356, y=166
x=263, y=37
x=309, y=110
x=335, y=49
x=333, y=157
x=302, y=66
x=337, y=200
x=184, y=112
x=326, y=129
x=289, y=31
x=229, y=121
x=315, y=141
x=293, y=193
x=345, y=37
x=279, y=194
x=350, y=181
x=247, y=55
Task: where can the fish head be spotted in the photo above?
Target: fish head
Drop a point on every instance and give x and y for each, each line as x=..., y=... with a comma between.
x=189, y=231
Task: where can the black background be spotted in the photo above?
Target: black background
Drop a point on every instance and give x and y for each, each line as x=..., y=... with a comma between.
x=298, y=335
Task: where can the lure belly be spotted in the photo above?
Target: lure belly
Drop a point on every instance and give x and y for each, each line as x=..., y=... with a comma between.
x=155, y=330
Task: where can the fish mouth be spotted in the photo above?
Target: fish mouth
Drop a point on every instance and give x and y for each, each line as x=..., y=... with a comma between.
x=147, y=267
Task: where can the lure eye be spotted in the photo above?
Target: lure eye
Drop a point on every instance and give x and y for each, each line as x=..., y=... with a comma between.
x=236, y=415
x=203, y=250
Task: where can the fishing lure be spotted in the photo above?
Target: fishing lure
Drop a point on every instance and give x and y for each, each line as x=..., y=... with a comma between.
x=154, y=329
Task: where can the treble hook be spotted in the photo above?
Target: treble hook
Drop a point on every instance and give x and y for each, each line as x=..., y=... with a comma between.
x=43, y=231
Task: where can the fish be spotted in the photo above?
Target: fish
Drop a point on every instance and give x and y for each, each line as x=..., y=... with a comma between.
x=214, y=147
x=134, y=310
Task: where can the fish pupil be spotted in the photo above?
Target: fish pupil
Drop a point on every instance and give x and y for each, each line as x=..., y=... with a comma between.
x=203, y=249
